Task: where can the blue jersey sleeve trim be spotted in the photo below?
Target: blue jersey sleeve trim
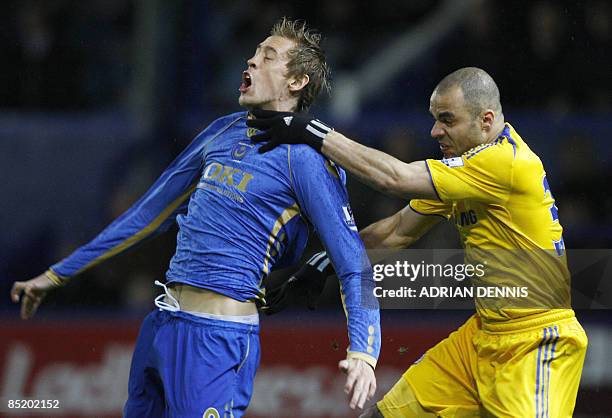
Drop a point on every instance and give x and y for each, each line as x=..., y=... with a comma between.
x=510, y=140
x=426, y=214
x=482, y=148
x=506, y=134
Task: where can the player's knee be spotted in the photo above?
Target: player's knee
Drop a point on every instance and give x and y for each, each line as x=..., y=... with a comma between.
x=372, y=412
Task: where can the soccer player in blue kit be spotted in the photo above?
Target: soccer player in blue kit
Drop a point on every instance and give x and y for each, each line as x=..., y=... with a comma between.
x=240, y=213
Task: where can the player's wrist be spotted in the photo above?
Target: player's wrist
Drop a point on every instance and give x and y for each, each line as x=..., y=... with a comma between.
x=314, y=131
x=332, y=137
x=366, y=358
x=56, y=279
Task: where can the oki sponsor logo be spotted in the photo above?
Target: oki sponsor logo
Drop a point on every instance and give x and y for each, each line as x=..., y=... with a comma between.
x=228, y=176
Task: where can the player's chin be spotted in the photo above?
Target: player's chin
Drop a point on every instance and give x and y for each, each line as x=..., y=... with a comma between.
x=449, y=152
x=244, y=101
x=249, y=102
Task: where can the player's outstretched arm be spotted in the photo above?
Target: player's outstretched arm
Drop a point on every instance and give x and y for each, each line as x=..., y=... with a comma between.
x=31, y=293
x=375, y=168
x=379, y=170
x=398, y=231
x=152, y=214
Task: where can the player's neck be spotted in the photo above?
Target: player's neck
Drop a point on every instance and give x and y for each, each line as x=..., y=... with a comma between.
x=495, y=132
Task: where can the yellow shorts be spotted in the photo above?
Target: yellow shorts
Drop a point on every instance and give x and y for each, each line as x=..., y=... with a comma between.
x=530, y=368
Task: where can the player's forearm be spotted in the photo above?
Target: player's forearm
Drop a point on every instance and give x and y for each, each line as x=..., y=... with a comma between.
x=382, y=234
x=360, y=304
x=363, y=319
x=379, y=170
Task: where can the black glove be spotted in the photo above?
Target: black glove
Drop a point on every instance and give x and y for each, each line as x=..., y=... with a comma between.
x=287, y=128
x=308, y=282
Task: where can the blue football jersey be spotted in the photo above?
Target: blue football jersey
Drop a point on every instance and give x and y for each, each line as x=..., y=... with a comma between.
x=240, y=214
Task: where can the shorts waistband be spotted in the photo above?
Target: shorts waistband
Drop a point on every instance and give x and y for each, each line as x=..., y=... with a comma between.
x=243, y=319
x=215, y=323
x=528, y=323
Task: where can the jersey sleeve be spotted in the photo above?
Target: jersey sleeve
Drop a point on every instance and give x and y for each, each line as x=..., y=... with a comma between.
x=483, y=174
x=151, y=214
x=323, y=199
x=431, y=208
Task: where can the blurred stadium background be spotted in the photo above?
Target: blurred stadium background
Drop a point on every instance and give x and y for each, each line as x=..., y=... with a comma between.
x=98, y=96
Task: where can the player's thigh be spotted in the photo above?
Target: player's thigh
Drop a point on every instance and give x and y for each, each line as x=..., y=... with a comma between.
x=539, y=378
x=399, y=402
x=145, y=391
x=206, y=366
x=443, y=379
x=245, y=375
x=565, y=369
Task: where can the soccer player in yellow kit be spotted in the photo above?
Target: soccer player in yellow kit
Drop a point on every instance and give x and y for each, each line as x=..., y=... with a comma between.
x=506, y=360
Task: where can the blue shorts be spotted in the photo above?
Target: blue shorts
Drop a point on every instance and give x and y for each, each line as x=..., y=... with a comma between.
x=185, y=366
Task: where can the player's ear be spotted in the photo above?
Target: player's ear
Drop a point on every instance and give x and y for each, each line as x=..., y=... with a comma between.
x=487, y=120
x=298, y=83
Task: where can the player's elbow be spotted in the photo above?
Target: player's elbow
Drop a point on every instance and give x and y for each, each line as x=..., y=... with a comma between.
x=399, y=181
x=409, y=180
x=405, y=241
x=400, y=241
x=370, y=238
x=391, y=241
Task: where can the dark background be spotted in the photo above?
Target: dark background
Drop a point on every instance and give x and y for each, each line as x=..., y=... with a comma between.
x=98, y=97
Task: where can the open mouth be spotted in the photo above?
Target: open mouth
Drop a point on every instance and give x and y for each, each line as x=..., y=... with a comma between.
x=246, y=82
x=446, y=150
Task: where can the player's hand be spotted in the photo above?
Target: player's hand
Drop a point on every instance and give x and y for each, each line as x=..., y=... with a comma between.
x=308, y=282
x=31, y=293
x=287, y=128
x=360, y=381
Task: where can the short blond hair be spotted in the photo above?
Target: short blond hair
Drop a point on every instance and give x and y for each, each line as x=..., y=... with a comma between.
x=306, y=58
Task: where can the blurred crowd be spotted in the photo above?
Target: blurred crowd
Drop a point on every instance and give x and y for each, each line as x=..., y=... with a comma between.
x=63, y=56
x=66, y=54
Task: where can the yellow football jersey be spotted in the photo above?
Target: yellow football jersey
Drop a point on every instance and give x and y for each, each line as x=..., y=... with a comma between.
x=498, y=197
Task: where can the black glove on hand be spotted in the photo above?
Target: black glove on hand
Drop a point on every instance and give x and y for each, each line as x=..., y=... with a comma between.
x=287, y=128
x=308, y=282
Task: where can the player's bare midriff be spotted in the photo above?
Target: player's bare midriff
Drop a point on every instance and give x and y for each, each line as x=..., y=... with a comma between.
x=195, y=299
